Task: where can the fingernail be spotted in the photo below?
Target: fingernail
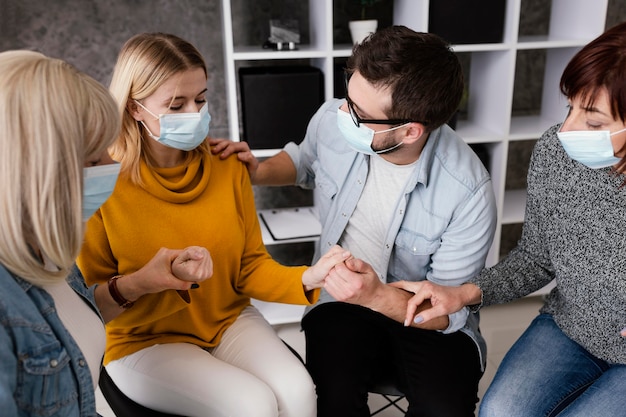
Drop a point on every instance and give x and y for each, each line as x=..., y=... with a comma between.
x=406, y=323
x=194, y=286
x=418, y=319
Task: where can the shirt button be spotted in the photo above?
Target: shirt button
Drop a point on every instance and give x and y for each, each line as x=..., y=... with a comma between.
x=343, y=214
x=329, y=244
x=387, y=245
x=54, y=363
x=81, y=362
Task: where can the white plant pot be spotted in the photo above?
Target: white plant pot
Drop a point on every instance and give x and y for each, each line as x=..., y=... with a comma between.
x=360, y=29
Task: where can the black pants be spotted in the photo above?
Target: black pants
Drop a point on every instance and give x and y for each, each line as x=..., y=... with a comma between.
x=349, y=347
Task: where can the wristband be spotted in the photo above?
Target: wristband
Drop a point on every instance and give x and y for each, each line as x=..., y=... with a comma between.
x=119, y=299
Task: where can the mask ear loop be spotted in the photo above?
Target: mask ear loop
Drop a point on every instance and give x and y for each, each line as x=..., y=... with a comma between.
x=397, y=145
x=392, y=128
x=619, y=131
x=142, y=122
x=148, y=130
x=146, y=109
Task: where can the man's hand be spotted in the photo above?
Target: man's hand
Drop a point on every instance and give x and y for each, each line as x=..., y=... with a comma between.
x=444, y=300
x=226, y=148
x=354, y=282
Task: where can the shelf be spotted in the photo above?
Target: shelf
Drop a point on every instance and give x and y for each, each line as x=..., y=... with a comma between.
x=514, y=207
x=277, y=313
x=473, y=133
x=548, y=42
x=342, y=51
x=481, y=47
x=265, y=153
x=530, y=127
x=252, y=53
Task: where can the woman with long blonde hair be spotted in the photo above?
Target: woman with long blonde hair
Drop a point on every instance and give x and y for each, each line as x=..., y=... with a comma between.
x=207, y=352
x=56, y=124
x=54, y=120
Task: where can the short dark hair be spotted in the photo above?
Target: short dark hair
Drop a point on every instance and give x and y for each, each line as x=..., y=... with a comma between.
x=600, y=64
x=422, y=71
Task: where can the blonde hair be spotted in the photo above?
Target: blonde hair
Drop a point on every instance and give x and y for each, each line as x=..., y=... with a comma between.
x=53, y=119
x=145, y=62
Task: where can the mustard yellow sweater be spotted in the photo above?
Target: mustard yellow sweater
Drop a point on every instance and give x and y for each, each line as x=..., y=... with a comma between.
x=207, y=203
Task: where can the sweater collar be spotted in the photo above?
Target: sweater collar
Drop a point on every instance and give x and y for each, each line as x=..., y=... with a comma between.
x=180, y=184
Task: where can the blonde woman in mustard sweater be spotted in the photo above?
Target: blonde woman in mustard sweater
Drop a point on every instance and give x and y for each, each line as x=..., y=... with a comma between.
x=207, y=351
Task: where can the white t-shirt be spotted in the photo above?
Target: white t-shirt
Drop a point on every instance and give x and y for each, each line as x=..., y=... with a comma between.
x=367, y=229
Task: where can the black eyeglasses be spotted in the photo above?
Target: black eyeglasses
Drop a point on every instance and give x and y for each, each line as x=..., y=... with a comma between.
x=357, y=120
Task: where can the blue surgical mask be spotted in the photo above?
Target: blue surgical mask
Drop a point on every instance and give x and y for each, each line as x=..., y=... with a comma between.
x=360, y=138
x=98, y=185
x=592, y=148
x=184, y=131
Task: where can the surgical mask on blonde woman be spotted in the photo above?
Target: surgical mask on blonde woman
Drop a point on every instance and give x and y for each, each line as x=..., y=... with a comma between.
x=184, y=131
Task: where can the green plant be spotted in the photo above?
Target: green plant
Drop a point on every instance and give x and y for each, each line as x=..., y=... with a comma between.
x=365, y=4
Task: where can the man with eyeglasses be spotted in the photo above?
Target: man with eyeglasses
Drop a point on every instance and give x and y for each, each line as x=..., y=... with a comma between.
x=411, y=201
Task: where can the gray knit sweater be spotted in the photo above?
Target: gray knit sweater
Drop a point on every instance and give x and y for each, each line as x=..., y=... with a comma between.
x=574, y=231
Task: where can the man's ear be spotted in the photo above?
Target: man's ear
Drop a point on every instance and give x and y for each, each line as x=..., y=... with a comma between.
x=414, y=132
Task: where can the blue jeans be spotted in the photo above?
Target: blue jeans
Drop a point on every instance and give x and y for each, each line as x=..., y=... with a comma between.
x=547, y=374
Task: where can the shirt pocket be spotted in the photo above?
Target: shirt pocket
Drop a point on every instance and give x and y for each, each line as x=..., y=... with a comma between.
x=324, y=182
x=412, y=256
x=46, y=385
x=325, y=192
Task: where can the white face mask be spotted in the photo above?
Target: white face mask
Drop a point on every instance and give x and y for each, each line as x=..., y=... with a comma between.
x=184, y=131
x=360, y=138
x=98, y=185
x=592, y=148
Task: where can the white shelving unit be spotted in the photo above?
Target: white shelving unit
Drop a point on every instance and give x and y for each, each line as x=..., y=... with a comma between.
x=573, y=23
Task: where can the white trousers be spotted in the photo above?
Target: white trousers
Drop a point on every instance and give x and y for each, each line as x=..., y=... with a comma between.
x=251, y=373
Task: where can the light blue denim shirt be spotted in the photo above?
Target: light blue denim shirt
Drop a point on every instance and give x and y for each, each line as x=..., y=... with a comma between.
x=444, y=221
x=42, y=370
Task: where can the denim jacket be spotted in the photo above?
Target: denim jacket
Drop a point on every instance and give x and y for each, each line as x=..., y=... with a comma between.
x=444, y=221
x=42, y=370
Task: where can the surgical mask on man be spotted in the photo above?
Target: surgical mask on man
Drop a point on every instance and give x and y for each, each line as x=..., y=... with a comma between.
x=592, y=148
x=98, y=184
x=360, y=138
x=184, y=131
